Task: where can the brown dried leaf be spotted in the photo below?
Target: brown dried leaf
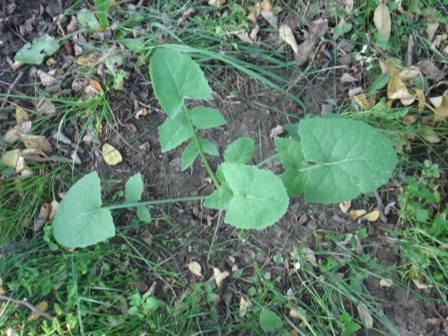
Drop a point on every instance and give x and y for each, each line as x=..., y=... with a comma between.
x=286, y=34
x=396, y=89
x=42, y=306
x=245, y=304
x=430, y=70
x=365, y=315
x=344, y=206
x=46, y=106
x=385, y=282
x=216, y=3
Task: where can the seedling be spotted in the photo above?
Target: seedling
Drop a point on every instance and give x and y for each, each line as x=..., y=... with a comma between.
x=336, y=160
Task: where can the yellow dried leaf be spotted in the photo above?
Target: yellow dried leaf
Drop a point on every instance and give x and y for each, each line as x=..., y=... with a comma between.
x=381, y=18
x=396, y=89
x=219, y=276
x=10, y=158
x=442, y=109
x=409, y=73
x=38, y=142
x=195, y=268
x=408, y=119
x=12, y=135
x=111, y=155
x=355, y=214
x=408, y=101
x=21, y=114
x=89, y=58
x=42, y=306
x=244, y=305
x=420, y=98
x=372, y=216
x=362, y=101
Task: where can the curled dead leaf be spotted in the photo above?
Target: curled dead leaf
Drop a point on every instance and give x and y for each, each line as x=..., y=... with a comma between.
x=385, y=282
x=38, y=142
x=245, y=304
x=365, y=315
x=286, y=34
x=344, y=206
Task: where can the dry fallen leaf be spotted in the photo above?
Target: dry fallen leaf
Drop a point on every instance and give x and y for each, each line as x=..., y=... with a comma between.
x=244, y=305
x=141, y=113
x=219, y=276
x=372, y=216
x=216, y=3
x=344, y=206
x=111, y=155
x=420, y=96
x=381, y=18
x=355, y=214
x=270, y=18
x=365, y=315
x=195, y=268
x=42, y=306
x=36, y=142
x=396, y=89
x=21, y=114
x=431, y=136
x=45, y=106
x=385, y=282
x=286, y=34
x=430, y=70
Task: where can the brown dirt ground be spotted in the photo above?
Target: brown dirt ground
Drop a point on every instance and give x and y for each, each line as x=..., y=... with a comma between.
x=163, y=179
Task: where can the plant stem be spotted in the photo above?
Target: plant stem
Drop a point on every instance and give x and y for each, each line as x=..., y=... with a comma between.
x=201, y=153
x=156, y=202
x=268, y=159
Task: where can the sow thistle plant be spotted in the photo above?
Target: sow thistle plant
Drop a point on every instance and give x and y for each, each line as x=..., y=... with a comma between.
x=329, y=160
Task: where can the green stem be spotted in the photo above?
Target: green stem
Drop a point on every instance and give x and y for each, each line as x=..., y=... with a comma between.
x=157, y=202
x=268, y=159
x=201, y=153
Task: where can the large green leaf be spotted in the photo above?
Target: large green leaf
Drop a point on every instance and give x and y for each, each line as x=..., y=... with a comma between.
x=342, y=159
x=79, y=220
x=174, y=131
x=253, y=198
x=34, y=53
x=270, y=321
x=175, y=77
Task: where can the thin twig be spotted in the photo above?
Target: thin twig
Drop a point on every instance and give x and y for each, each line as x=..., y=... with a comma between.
x=28, y=305
x=10, y=89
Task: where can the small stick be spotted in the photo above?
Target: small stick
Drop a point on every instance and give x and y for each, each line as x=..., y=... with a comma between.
x=29, y=306
x=10, y=89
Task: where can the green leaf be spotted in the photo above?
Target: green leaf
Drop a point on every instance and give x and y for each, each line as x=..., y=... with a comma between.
x=136, y=45
x=240, y=151
x=79, y=220
x=143, y=214
x=205, y=117
x=293, y=130
x=191, y=152
x=291, y=154
x=174, y=131
x=102, y=7
x=349, y=157
x=379, y=83
x=175, y=77
x=134, y=189
x=87, y=19
x=269, y=321
x=34, y=53
x=253, y=198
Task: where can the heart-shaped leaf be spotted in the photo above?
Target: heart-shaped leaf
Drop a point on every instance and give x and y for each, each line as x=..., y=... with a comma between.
x=80, y=221
x=253, y=198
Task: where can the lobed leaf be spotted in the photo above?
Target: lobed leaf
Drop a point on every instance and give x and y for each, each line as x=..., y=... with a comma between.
x=175, y=77
x=79, y=220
